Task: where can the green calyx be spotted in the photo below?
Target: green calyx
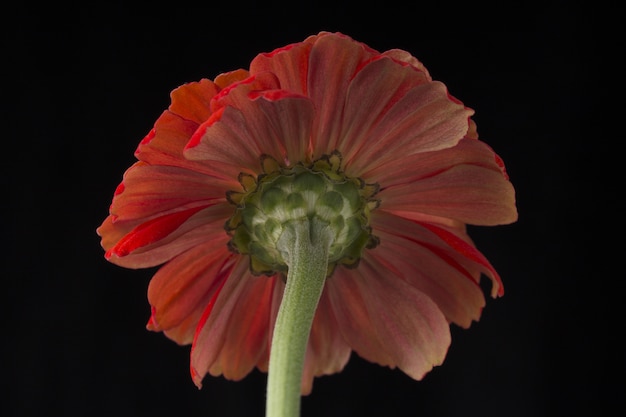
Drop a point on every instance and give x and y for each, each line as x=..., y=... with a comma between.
x=319, y=193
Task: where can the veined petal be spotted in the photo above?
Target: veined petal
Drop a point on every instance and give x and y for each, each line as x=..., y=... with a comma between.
x=225, y=138
x=327, y=351
x=188, y=281
x=165, y=143
x=191, y=101
x=454, y=289
x=272, y=122
x=467, y=193
x=328, y=84
x=148, y=190
x=289, y=63
x=160, y=239
x=370, y=97
x=424, y=119
x=355, y=317
x=288, y=118
x=410, y=168
x=449, y=244
x=405, y=57
x=230, y=339
x=413, y=335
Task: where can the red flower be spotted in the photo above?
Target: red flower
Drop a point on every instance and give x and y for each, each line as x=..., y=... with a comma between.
x=347, y=113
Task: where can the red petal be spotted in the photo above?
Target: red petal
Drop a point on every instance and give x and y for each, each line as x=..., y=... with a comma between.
x=151, y=231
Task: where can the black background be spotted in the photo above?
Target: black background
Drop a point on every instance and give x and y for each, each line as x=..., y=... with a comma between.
x=85, y=82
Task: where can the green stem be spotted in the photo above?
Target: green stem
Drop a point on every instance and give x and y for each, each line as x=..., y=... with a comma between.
x=305, y=245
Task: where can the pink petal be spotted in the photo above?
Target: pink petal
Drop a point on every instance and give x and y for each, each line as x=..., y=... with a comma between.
x=388, y=321
x=400, y=115
x=232, y=337
x=467, y=193
x=225, y=138
x=448, y=284
x=327, y=351
x=289, y=64
x=454, y=246
x=270, y=122
x=405, y=57
x=187, y=281
x=165, y=143
x=410, y=168
x=149, y=190
x=376, y=89
x=333, y=61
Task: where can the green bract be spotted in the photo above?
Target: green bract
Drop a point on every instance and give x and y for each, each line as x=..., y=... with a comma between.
x=319, y=193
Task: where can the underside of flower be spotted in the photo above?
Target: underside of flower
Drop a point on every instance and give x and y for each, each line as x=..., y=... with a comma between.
x=317, y=192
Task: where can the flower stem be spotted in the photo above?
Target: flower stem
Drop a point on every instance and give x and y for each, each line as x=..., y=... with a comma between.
x=305, y=245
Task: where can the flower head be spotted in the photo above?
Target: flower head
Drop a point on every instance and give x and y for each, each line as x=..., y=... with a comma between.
x=366, y=144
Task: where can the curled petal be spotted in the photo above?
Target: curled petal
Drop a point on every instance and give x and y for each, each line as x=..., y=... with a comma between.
x=160, y=239
x=453, y=288
x=192, y=101
x=422, y=120
x=452, y=245
x=165, y=143
x=272, y=122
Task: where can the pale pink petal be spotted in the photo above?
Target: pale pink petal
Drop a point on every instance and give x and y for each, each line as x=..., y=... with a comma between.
x=395, y=324
x=327, y=350
x=450, y=244
x=187, y=281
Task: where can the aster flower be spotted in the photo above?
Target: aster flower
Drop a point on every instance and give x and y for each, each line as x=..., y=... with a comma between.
x=360, y=149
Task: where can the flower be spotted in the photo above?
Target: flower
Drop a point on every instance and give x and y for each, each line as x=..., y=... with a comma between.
x=327, y=109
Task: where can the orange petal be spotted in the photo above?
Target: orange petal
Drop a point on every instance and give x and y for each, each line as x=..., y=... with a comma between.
x=192, y=101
